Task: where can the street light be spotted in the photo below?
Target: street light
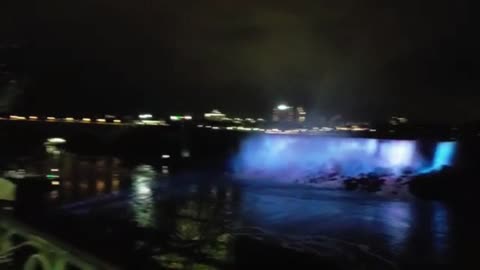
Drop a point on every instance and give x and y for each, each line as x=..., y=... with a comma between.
x=283, y=107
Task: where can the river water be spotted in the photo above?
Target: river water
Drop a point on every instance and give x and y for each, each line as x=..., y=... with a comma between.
x=147, y=215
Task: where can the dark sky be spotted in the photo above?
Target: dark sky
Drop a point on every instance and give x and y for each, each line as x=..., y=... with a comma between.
x=362, y=59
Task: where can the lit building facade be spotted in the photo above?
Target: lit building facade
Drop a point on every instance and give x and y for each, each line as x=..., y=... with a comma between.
x=283, y=113
x=301, y=115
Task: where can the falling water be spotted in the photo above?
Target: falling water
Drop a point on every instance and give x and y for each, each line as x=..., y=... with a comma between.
x=287, y=157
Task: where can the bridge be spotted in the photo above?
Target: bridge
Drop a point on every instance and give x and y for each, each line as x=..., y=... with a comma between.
x=21, y=247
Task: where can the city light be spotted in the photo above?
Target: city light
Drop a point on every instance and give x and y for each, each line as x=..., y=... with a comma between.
x=69, y=119
x=117, y=121
x=55, y=183
x=215, y=115
x=86, y=120
x=359, y=129
x=16, y=117
x=283, y=107
x=154, y=122
x=56, y=140
x=145, y=116
x=33, y=117
x=101, y=120
x=165, y=156
x=51, y=118
x=179, y=118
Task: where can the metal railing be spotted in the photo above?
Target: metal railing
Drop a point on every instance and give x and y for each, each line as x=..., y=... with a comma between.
x=22, y=247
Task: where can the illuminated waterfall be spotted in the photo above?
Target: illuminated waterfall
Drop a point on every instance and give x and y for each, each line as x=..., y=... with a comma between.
x=289, y=157
x=444, y=155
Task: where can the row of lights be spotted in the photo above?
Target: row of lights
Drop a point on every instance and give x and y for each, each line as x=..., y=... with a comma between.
x=67, y=119
x=180, y=117
x=240, y=128
x=289, y=131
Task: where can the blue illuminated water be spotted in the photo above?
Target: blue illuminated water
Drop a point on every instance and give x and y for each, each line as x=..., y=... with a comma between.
x=444, y=155
x=290, y=157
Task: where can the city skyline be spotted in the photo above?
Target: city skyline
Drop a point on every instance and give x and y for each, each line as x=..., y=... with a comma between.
x=368, y=61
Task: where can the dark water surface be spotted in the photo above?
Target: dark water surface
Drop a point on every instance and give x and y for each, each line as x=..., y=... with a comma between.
x=148, y=217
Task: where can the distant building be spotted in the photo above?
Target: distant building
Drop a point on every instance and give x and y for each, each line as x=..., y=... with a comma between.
x=214, y=115
x=283, y=113
x=301, y=115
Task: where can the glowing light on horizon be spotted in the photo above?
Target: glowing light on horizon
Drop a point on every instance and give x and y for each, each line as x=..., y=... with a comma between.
x=283, y=107
x=33, y=117
x=16, y=117
x=51, y=118
x=56, y=140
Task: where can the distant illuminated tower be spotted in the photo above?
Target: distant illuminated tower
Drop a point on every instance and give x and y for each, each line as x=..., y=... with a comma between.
x=301, y=115
x=283, y=113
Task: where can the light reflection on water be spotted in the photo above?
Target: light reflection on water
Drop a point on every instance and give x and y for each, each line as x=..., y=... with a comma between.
x=142, y=197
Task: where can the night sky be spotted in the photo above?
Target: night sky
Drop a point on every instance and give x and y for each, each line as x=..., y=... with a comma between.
x=361, y=59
